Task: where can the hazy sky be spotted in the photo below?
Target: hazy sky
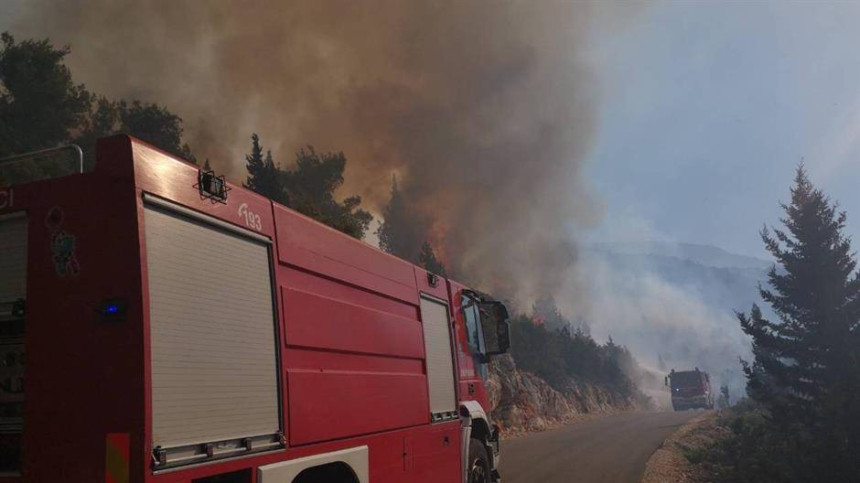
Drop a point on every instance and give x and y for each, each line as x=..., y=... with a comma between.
x=708, y=108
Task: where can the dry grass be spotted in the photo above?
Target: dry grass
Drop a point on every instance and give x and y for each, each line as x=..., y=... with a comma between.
x=669, y=463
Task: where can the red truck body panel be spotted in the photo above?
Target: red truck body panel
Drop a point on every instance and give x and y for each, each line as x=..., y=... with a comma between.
x=690, y=389
x=351, y=349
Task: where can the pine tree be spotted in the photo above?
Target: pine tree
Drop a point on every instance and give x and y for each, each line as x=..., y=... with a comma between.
x=254, y=164
x=428, y=260
x=399, y=233
x=311, y=187
x=271, y=183
x=805, y=370
x=263, y=176
x=547, y=311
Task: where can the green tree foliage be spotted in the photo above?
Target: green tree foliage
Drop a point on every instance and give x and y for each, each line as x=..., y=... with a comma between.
x=547, y=313
x=427, y=259
x=40, y=106
x=399, y=233
x=263, y=176
x=402, y=234
x=748, y=450
x=806, y=373
x=560, y=356
x=149, y=122
x=311, y=187
x=154, y=124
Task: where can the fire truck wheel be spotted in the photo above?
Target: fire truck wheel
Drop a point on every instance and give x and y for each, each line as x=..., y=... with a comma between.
x=479, y=462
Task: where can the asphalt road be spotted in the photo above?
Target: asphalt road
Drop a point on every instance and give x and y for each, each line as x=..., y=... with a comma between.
x=612, y=449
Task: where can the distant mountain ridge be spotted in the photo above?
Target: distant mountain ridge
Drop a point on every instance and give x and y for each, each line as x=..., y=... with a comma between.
x=678, y=301
x=723, y=280
x=707, y=255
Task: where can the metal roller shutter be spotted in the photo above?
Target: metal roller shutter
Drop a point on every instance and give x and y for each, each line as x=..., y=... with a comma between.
x=440, y=365
x=213, y=348
x=13, y=258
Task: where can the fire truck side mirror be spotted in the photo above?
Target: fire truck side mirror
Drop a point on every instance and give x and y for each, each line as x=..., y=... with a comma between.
x=496, y=327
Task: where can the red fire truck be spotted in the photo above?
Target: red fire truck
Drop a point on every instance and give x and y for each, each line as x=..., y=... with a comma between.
x=690, y=390
x=159, y=324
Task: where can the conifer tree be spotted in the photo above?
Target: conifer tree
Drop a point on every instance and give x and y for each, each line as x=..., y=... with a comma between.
x=399, y=233
x=805, y=370
x=311, y=187
x=263, y=176
x=428, y=260
x=254, y=163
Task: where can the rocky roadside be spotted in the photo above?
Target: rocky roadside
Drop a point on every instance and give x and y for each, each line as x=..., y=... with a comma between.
x=523, y=402
x=669, y=464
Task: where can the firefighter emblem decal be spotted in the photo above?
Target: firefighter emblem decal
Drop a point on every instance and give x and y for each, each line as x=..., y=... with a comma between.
x=62, y=245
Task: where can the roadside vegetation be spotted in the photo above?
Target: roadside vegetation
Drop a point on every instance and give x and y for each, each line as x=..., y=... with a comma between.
x=558, y=351
x=801, y=422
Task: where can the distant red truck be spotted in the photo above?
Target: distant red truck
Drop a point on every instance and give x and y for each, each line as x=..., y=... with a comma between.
x=690, y=390
x=173, y=327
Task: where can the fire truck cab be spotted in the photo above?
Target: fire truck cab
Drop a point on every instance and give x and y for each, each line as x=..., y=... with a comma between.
x=160, y=324
x=690, y=390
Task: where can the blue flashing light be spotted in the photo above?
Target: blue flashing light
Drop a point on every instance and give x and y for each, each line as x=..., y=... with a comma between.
x=113, y=309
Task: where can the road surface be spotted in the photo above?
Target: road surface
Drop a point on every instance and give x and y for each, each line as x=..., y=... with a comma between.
x=611, y=449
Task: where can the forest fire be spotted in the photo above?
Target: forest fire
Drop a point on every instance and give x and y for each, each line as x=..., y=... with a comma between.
x=488, y=127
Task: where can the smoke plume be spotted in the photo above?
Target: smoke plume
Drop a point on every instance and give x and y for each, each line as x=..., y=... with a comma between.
x=485, y=111
x=672, y=313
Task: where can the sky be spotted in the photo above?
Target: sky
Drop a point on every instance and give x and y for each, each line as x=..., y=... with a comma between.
x=708, y=108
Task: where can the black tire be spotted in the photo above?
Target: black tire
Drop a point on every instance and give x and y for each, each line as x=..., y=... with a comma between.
x=479, y=462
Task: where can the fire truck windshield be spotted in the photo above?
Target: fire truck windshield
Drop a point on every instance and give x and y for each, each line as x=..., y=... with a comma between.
x=686, y=379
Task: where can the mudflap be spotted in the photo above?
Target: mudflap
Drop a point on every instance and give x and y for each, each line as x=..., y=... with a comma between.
x=494, y=442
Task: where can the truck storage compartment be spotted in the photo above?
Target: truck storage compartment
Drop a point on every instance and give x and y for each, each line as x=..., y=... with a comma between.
x=440, y=366
x=13, y=285
x=213, y=338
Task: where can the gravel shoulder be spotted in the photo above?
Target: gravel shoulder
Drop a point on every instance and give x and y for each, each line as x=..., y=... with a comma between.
x=670, y=465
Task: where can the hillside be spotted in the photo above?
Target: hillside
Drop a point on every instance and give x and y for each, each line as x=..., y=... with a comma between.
x=673, y=305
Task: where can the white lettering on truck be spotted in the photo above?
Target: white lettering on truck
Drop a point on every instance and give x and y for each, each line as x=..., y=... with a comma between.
x=252, y=220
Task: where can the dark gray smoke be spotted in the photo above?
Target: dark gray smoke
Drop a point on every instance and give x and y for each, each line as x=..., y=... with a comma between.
x=484, y=110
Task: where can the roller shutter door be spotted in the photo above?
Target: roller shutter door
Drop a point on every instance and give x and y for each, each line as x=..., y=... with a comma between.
x=213, y=345
x=440, y=364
